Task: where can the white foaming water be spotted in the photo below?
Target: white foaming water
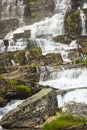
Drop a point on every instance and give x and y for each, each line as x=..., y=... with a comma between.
x=68, y=79
x=11, y=105
x=78, y=96
x=83, y=22
x=85, y=5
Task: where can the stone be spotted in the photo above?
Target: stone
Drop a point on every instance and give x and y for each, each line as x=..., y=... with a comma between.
x=73, y=23
x=79, y=109
x=53, y=59
x=32, y=111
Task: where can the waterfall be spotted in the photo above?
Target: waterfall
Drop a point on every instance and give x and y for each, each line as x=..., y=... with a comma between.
x=83, y=22
x=11, y=105
x=78, y=96
x=67, y=79
x=13, y=9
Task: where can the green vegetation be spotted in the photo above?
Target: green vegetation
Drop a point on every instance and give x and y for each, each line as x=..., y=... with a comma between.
x=1, y=76
x=36, y=52
x=78, y=61
x=23, y=89
x=1, y=99
x=72, y=22
x=64, y=121
x=19, y=88
x=85, y=61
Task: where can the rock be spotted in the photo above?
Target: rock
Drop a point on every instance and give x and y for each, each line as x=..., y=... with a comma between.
x=63, y=39
x=53, y=59
x=7, y=25
x=76, y=3
x=72, y=23
x=32, y=111
x=82, y=41
x=78, y=127
x=78, y=109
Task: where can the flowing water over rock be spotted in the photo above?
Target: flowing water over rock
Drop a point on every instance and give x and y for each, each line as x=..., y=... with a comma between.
x=83, y=22
x=54, y=77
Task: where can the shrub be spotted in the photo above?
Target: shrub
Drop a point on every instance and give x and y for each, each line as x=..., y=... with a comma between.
x=64, y=121
x=12, y=82
x=85, y=61
x=1, y=99
x=23, y=89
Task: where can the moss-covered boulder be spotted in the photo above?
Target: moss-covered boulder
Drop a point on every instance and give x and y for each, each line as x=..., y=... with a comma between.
x=63, y=39
x=30, y=56
x=53, y=59
x=73, y=23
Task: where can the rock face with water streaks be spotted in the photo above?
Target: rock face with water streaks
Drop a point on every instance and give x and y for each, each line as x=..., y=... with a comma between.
x=33, y=111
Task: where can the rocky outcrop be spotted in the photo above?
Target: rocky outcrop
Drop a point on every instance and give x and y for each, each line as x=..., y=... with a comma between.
x=51, y=58
x=72, y=23
x=76, y=3
x=33, y=111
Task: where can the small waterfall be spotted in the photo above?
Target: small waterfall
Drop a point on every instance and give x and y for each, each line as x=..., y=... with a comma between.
x=11, y=105
x=68, y=79
x=78, y=96
x=83, y=22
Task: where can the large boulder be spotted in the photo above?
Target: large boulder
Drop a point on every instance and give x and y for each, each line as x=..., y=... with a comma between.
x=33, y=111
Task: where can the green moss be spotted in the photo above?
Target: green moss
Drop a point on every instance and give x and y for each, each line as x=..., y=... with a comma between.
x=64, y=121
x=1, y=99
x=36, y=52
x=85, y=61
x=34, y=14
x=72, y=22
x=23, y=89
x=1, y=76
x=12, y=82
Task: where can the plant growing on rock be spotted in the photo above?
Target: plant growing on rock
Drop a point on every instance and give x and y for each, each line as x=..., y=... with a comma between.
x=85, y=61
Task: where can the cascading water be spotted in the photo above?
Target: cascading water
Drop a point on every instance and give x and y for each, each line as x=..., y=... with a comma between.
x=12, y=9
x=50, y=26
x=67, y=79
x=83, y=22
x=10, y=106
x=59, y=79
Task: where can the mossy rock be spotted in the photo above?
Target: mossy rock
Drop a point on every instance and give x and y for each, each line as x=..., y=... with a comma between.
x=52, y=59
x=63, y=38
x=73, y=23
